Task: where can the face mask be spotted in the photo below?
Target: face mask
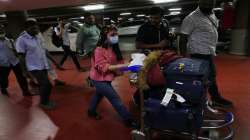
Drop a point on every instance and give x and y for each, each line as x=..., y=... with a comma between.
x=114, y=39
x=206, y=11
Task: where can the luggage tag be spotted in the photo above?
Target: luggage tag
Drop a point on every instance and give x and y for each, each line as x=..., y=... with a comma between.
x=168, y=96
x=180, y=98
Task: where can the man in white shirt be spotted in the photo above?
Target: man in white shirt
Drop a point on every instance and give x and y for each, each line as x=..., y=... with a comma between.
x=62, y=32
x=198, y=38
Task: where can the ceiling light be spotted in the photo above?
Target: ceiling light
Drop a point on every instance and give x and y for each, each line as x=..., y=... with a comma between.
x=2, y=15
x=93, y=7
x=174, y=9
x=131, y=19
x=141, y=15
x=175, y=13
x=163, y=1
x=217, y=9
x=125, y=14
x=106, y=18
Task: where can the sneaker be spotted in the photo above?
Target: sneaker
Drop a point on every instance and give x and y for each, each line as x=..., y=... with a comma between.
x=59, y=82
x=221, y=102
x=50, y=105
x=94, y=114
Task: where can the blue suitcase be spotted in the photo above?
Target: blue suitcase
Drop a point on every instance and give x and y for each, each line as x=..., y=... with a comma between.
x=176, y=116
x=188, y=77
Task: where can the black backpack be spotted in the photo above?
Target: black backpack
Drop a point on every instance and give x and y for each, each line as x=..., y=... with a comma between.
x=56, y=40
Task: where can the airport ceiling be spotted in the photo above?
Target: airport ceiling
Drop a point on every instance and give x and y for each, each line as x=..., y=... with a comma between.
x=48, y=9
x=19, y=5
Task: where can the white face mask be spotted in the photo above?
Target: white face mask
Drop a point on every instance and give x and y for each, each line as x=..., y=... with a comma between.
x=114, y=39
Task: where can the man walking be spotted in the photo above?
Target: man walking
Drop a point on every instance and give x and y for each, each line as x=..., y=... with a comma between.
x=8, y=62
x=198, y=38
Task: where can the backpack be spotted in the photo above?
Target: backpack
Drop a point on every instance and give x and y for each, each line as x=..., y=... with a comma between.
x=56, y=40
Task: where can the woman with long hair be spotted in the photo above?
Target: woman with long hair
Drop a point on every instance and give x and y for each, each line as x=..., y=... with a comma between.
x=106, y=63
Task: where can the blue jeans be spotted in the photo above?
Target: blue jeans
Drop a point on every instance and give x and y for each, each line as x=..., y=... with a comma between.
x=105, y=89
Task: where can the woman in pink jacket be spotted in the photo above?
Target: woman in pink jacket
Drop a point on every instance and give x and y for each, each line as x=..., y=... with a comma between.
x=106, y=63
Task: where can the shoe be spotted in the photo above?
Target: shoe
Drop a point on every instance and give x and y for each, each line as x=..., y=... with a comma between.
x=50, y=105
x=130, y=123
x=59, y=82
x=221, y=102
x=94, y=114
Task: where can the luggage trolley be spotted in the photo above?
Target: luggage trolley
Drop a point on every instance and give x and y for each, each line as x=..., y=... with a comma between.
x=216, y=122
x=216, y=126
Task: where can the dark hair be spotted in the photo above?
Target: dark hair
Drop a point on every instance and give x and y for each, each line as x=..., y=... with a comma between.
x=156, y=11
x=29, y=23
x=103, y=42
x=87, y=14
x=61, y=18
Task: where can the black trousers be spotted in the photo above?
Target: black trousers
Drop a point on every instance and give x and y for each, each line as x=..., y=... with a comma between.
x=213, y=88
x=22, y=81
x=67, y=52
x=44, y=84
x=50, y=57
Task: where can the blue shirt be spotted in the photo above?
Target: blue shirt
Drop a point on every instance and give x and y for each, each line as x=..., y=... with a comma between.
x=7, y=56
x=35, y=54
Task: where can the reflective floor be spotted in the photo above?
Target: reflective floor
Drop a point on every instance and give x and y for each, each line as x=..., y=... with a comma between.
x=20, y=119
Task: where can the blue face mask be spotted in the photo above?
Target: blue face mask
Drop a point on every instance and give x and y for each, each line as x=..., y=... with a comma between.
x=114, y=39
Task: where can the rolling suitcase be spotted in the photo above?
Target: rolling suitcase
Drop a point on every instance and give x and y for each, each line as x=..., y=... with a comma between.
x=176, y=116
x=189, y=78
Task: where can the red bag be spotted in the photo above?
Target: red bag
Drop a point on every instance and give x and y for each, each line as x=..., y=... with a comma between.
x=155, y=76
x=168, y=56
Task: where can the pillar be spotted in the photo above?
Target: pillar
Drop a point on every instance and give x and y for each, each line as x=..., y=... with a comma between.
x=239, y=32
x=16, y=21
